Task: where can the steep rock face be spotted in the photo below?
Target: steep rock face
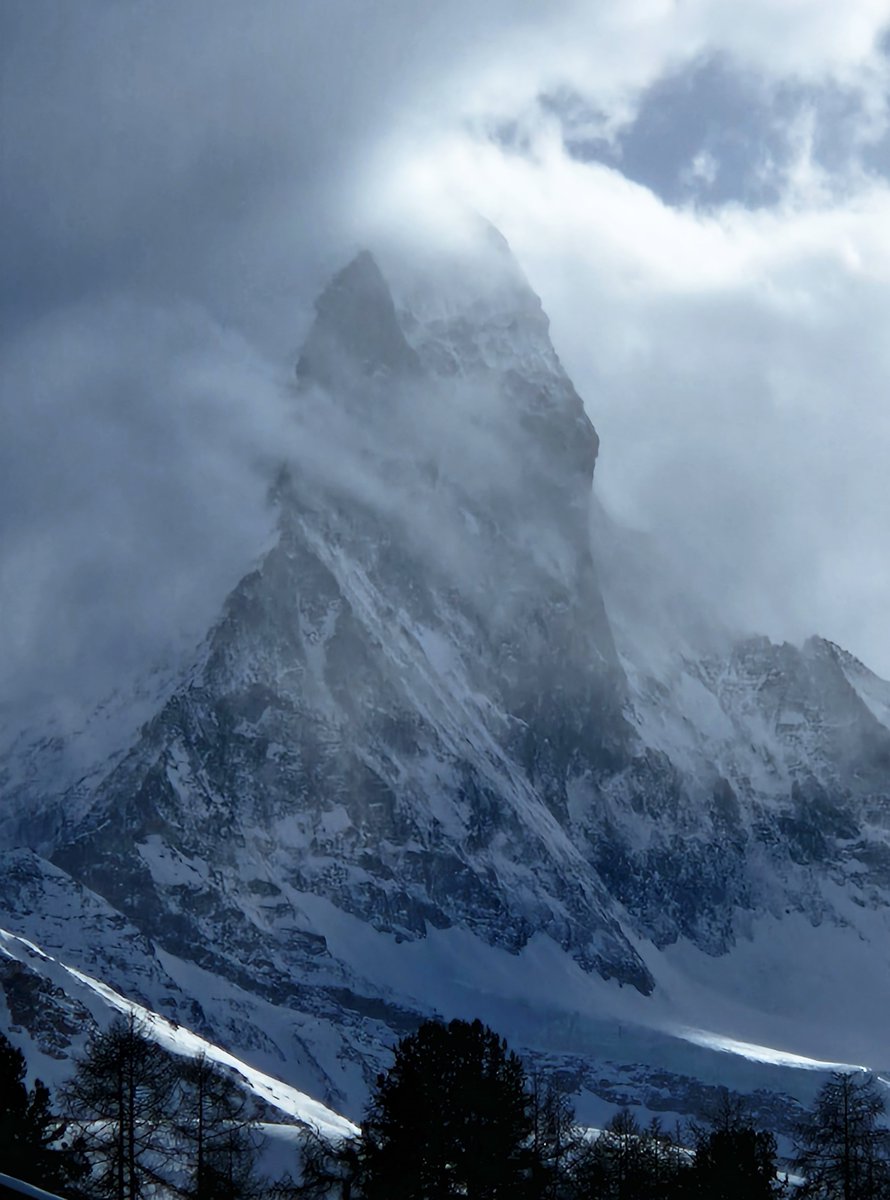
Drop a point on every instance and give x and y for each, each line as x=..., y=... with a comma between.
x=452, y=706
x=780, y=758
x=394, y=705
x=356, y=335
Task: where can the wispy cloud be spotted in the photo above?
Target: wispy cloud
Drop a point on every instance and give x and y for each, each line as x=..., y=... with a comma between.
x=179, y=181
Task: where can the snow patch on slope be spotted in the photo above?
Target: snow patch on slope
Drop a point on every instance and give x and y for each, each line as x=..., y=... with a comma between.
x=179, y=1040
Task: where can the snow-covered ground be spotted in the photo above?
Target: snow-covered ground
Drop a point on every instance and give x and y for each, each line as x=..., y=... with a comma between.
x=699, y=1026
x=294, y=1104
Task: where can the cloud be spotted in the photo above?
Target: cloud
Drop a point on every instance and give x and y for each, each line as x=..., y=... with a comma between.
x=133, y=482
x=180, y=180
x=735, y=367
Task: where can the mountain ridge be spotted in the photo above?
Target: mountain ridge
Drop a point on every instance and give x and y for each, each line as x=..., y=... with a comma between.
x=434, y=712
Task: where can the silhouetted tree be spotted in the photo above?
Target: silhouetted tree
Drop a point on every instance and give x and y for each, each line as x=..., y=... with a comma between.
x=732, y=1159
x=330, y=1169
x=451, y=1118
x=32, y=1145
x=555, y=1141
x=121, y=1098
x=588, y=1178
x=842, y=1147
x=622, y=1150
x=627, y=1162
x=214, y=1124
x=666, y=1163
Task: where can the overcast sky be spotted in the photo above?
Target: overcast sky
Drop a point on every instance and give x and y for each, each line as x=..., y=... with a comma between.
x=699, y=191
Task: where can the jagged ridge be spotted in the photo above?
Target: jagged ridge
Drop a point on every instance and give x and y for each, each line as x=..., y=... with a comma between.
x=415, y=715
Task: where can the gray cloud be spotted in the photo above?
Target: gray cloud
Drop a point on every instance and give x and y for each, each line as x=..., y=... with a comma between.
x=180, y=180
x=741, y=409
x=213, y=151
x=133, y=479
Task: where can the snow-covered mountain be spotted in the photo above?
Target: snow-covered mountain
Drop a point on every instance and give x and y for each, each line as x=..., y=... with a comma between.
x=459, y=744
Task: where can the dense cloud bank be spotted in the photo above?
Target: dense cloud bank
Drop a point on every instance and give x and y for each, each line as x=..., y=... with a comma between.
x=179, y=182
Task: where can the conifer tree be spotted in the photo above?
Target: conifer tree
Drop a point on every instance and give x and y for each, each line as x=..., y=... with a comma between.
x=732, y=1160
x=452, y=1118
x=627, y=1162
x=555, y=1140
x=842, y=1147
x=621, y=1146
x=330, y=1169
x=121, y=1097
x=214, y=1132
x=665, y=1163
x=32, y=1137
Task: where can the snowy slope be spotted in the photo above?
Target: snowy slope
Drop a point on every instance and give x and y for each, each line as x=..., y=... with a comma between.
x=171, y=1035
x=460, y=746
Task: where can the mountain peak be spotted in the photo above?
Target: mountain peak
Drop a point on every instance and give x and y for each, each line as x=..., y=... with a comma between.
x=463, y=314
x=408, y=771
x=356, y=331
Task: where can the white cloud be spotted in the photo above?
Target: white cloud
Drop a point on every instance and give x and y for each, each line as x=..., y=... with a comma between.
x=735, y=365
x=610, y=53
x=234, y=156
x=704, y=168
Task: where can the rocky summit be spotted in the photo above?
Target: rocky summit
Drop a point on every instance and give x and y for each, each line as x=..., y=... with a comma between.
x=459, y=744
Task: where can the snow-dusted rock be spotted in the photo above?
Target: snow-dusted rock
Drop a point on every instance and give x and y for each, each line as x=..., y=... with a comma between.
x=457, y=743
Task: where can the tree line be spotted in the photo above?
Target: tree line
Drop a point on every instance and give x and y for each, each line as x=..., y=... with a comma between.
x=456, y=1116
x=137, y=1122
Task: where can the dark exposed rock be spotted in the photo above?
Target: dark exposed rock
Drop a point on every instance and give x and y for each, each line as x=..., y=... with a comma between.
x=434, y=706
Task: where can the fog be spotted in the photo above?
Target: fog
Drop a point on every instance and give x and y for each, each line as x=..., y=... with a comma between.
x=180, y=181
